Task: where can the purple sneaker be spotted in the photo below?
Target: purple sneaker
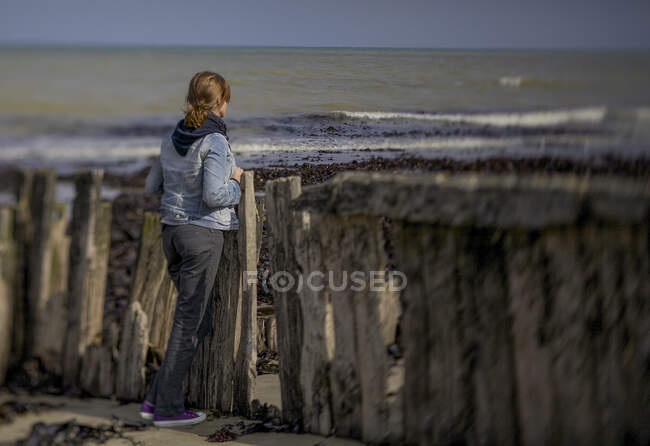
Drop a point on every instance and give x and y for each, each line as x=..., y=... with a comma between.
x=185, y=419
x=146, y=411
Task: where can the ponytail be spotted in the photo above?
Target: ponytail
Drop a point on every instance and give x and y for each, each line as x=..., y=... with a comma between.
x=206, y=90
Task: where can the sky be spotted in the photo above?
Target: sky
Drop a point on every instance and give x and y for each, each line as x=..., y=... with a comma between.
x=336, y=23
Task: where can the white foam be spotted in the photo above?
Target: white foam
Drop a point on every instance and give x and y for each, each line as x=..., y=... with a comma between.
x=430, y=143
x=511, y=81
x=593, y=115
x=56, y=152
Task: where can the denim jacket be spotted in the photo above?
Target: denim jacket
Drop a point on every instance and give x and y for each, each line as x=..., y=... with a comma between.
x=196, y=188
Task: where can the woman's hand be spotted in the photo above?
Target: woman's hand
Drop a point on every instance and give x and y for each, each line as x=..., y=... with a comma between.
x=236, y=174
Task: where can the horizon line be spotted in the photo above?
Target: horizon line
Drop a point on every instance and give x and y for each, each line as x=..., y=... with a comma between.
x=5, y=44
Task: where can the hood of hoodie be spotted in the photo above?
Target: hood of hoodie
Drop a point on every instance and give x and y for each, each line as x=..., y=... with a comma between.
x=184, y=136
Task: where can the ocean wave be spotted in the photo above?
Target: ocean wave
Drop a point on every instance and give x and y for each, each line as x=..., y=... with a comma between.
x=525, y=81
x=511, y=81
x=131, y=139
x=587, y=115
x=83, y=152
x=429, y=143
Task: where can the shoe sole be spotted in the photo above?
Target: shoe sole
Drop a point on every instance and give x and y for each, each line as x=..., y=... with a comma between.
x=172, y=423
x=146, y=416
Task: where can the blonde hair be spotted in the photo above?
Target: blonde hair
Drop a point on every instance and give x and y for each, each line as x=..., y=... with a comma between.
x=207, y=90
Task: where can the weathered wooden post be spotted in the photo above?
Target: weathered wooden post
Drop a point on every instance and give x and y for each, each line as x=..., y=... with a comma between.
x=222, y=375
x=210, y=380
x=89, y=246
x=22, y=237
x=8, y=267
x=152, y=285
x=152, y=300
x=288, y=311
x=267, y=338
x=516, y=274
x=246, y=356
x=526, y=304
x=130, y=378
x=38, y=255
x=317, y=330
x=352, y=318
x=47, y=273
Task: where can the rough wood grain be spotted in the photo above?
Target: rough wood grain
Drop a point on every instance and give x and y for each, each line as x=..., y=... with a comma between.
x=477, y=199
x=22, y=236
x=267, y=338
x=99, y=365
x=222, y=374
x=351, y=321
x=89, y=246
x=8, y=266
x=278, y=194
x=152, y=285
x=210, y=380
x=39, y=257
x=51, y=317
x=577, y=337
x=134, y=340
x=246, y=355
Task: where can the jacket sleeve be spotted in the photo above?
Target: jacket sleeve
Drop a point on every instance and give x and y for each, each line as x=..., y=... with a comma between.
x=154, y=181
x=218, y=188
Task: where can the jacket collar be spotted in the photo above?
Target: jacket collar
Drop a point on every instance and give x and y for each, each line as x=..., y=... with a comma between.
x=183, y=137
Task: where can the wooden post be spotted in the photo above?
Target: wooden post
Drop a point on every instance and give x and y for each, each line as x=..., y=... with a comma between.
x=152, y=300
x=246, y=358
x=349, y=316
x=210, y=381
x=89, y=246
x=8, y=266
x=47, y=273
x=39, y=256
x=22, y=236
x=354, y=247
x=526, y=303
x=130, y=379
x=317, y=328
x=222, y=375
x=98, y=375
x=152, y=285
x=288, y=310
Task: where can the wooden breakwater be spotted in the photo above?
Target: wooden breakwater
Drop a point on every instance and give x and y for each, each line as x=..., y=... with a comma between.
x=525, y=319
x=53, y=272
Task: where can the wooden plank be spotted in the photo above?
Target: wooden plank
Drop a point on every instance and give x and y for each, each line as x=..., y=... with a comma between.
x=8, y=267
x=209, y=383
x=39, y=258
x=130, y=378
x=22, y=235
x=89, y=246
x=246, y=356
x=278, y=194
x=152, y=285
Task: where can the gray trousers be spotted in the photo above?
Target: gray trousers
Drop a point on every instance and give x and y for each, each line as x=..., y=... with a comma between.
x=193, y=253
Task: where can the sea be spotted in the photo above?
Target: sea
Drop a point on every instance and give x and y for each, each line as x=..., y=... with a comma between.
x=81, y=106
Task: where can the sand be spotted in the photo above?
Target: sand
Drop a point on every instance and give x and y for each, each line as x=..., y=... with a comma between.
x=96, y=411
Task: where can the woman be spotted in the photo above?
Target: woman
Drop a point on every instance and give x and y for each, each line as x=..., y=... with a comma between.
x=199, y=182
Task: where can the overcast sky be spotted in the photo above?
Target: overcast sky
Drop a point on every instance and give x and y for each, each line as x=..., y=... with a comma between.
x=380, y=23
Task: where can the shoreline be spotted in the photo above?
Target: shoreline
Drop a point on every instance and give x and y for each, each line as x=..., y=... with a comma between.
x=315, y=172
